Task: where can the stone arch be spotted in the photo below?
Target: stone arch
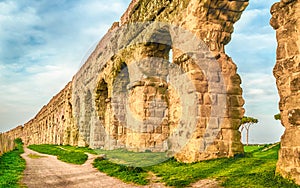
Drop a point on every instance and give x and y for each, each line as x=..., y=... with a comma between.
x=109, y=131
x=118, y=101
x=101, y=99
x=285, y=20
x=213, y=29
x=147, y=90
x=88, y=110
x=77, y=105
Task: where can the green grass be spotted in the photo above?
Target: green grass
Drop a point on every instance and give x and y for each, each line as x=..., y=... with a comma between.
x=79, y=149
x=256, y=169
x=134, y=159
x=127, y=165
x=12, y=166
x=253, y=148
x=129, y=174
x=74, y=155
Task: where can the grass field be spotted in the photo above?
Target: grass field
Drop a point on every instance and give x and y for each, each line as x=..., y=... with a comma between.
x=128, y=174
x=12, y=166
x=255, y=169
x=69, y=154
x=134, y=159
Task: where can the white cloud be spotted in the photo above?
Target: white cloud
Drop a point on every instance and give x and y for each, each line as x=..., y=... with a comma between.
x=94, y=7
x=262, y=4
x=253, y=49
x=7, y=7
x=253, y=42
x=259, y=88
x=42, y=45
x=250, y=18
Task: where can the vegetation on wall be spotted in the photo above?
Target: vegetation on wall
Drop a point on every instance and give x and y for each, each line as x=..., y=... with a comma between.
x=277, y=116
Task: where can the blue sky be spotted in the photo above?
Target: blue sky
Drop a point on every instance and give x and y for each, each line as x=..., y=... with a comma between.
x=43, y=43
x=253, y=49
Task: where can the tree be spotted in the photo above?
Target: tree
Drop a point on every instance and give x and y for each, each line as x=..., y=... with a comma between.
x=246, y=122
x=277, y=116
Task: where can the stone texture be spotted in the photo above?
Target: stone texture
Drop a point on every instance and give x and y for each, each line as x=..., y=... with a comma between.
x=87, y=111
x=6, y=144
x=285, y=20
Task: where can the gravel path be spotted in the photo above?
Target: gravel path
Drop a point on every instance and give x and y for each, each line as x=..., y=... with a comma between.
x=49, y=172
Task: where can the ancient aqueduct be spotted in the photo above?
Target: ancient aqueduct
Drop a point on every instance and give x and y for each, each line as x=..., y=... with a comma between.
x=85, y=112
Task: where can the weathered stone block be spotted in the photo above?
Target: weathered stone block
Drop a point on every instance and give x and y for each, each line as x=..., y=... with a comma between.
x=285, y=20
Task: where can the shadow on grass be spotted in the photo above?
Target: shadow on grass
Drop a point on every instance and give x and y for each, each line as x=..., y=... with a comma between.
x=74, y=156
x=134, y=159
x=256, y=169
x=135, y=175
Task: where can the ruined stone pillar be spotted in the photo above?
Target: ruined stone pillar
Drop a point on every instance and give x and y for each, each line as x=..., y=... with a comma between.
x=286, y=21
x=147, y=112
x=212, y=22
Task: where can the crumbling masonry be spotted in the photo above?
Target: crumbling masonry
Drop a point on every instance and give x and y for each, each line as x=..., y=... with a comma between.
x=87, y=111
x=286, y=21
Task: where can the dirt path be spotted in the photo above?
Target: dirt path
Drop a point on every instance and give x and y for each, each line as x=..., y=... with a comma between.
x=49, y=172
x=46, y=171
